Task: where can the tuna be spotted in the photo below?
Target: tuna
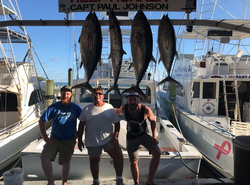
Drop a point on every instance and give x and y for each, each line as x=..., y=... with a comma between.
x=116, y=49
x=141, y=48
x=167, y=46
x=90, y=48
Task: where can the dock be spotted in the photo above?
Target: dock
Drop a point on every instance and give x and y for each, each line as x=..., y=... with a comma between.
x=201, y=181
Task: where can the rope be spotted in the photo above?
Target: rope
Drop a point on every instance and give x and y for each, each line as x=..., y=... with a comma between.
x=197, y=172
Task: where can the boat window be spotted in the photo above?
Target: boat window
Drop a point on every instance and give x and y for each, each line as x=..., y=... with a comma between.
x=196, y=89
x=35, y=97
x=85, y=95
x=179, y=90
x=209, y=89
x=8, y=101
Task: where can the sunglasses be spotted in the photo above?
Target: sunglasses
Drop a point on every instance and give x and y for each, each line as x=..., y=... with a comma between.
x=99, y=93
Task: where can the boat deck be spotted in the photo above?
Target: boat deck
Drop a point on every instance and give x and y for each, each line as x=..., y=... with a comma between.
x=130, y=182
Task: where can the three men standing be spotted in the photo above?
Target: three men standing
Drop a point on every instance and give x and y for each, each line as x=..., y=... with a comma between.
x=102, y=125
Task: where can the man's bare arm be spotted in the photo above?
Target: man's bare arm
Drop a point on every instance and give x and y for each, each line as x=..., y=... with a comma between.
x=120, y=111
x=151, y=118
x=81, y=127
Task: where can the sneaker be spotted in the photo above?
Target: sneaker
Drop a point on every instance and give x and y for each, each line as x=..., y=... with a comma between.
x=119, y=182
x=96, y=183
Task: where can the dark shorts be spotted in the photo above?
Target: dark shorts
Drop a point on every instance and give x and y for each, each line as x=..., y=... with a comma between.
x=133, y=146
x=65, y=148
x=96, y=151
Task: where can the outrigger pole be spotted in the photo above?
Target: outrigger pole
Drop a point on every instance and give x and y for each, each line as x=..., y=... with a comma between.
x=194, y=22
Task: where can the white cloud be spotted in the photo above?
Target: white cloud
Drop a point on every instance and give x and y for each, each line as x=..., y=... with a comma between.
x=56, y=59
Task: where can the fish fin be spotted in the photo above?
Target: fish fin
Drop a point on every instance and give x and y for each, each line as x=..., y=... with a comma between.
x=159, y=60
x=123, y=52
x=109, y=56
x=131, y=65
x=114, y=87
x=153, y=59
x=81, y=65
x=79, y=39
x=169, y=79
x=100, y=62
x=86, y=85
x=135, y=89
x=176, y=55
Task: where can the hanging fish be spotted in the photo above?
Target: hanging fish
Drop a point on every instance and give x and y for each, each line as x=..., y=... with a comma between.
x=116, y=49
x=90, y=48
x=167, y=46
x=141, y=48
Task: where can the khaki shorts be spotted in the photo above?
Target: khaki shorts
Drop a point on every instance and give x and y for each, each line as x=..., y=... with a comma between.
x=96, y=151
x=133, y=146
x=64, y=147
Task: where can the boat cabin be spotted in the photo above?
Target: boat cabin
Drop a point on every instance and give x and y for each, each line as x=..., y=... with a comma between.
x=217, y=85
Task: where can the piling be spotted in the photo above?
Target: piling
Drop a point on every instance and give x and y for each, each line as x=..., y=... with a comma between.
x=172, y=98
x=70, y=82
x=70, y=77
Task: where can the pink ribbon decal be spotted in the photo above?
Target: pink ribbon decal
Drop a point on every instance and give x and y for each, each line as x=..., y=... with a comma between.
x=221, y=149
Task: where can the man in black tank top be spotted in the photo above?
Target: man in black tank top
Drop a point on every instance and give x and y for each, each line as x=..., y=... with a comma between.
x=136, y=115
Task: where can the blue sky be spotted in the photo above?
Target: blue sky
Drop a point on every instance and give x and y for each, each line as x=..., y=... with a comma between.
x=55, y=45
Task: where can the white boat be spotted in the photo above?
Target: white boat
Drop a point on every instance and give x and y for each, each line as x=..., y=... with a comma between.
x=213, y=105
x=172, y=144
x=21, y=101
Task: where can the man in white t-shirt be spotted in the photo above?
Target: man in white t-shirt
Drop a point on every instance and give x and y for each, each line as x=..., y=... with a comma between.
x=101, y=132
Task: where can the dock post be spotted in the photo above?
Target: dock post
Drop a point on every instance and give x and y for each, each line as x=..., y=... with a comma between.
x=49, y=97
x=172, y=98
x=70, y=82
x=70, y=77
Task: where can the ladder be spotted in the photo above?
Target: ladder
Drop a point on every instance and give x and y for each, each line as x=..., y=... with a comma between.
x=231, y=99
x=206, y=12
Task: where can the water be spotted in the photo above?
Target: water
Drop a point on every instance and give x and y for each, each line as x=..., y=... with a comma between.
x=58, y=85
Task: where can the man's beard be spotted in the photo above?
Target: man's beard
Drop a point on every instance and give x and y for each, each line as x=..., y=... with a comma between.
x=65, y=101
x=133, y=106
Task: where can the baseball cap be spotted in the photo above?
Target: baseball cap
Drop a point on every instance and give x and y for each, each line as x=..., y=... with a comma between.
x=66, y=88
x=132, y=94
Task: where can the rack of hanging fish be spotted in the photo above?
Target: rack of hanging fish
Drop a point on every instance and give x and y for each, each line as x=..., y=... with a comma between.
x=141, y=41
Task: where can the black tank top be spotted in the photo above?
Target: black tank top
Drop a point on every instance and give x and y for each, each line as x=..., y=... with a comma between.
x=136, y=127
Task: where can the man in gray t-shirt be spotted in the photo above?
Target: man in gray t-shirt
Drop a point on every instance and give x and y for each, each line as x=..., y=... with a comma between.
x=101, y=132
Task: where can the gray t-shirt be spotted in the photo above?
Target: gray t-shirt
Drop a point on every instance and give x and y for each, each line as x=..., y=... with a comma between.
x=99, y=124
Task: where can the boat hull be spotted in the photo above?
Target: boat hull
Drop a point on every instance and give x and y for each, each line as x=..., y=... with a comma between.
x=216, y=145
x=12, y=145
x=170, y=167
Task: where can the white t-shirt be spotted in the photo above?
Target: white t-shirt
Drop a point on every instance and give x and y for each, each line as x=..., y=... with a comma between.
x=99, y=124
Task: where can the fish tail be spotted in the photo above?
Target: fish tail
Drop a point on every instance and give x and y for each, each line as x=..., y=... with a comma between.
x=153, y=59
x=169, y=79
x=135, y=89
x=114, y=87
x=86, y=85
